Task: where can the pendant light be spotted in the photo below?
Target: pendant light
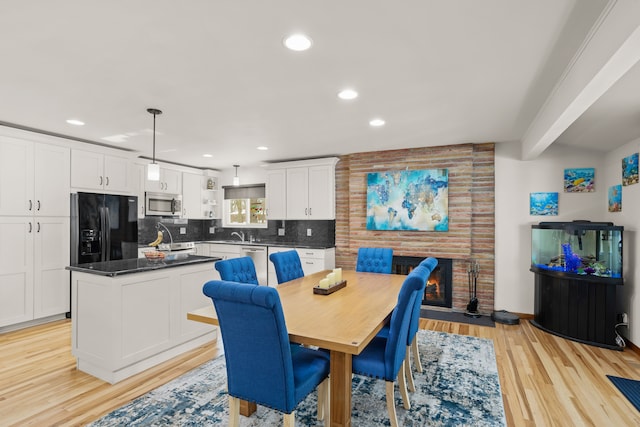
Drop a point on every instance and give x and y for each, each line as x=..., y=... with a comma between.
x=153, y=169
x=236, y=180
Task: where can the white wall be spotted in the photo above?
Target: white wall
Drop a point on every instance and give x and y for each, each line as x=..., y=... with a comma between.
x=629, y=302
x=515, y=179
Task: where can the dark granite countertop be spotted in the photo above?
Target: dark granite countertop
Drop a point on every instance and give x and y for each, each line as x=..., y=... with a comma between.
x=137, y=265
x=268, y=243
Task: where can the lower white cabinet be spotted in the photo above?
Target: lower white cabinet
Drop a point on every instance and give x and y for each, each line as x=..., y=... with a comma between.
x=34, y=252
x=312, y=260
x=125, y=324
x=223, y=251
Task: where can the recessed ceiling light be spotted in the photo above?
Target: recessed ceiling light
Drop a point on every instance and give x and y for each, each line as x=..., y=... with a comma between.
x=376, y=122
x=297, y=42
x=262, y=148
x=75, y=122
x=348, y=94
x=207, y=155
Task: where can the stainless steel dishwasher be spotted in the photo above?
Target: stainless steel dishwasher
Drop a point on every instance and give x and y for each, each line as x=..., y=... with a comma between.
x=259, y=256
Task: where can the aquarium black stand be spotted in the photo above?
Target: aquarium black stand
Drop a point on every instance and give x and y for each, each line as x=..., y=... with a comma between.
x=581, y=309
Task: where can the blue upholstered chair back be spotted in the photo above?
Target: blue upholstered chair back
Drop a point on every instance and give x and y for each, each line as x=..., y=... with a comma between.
x=288, y=265
x=426, y=267
x=374, y=260
x=256, y=343
x=238, y=270
x=400, y=318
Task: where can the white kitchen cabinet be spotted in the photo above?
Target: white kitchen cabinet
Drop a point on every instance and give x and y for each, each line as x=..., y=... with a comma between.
x=192, y=206
x=34, y=178
x=125, y=324
x=16, y=270
x=138, y=178
x=223, y=251
x=202, y=249
x=170, y=182
x=311, y=192
x=97, y=171
x=312, y=261
x=34, y=283
x=276, y=194
x=51, y=255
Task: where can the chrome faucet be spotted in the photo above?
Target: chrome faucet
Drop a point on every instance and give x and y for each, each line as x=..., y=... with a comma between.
x=239, y=234
x=170, y=237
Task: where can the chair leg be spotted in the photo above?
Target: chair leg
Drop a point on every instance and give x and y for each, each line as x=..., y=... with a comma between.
x=403, y=387
x=234, y=411
x=290, y=419
x=323, y=400
x=407, y=370
x=416, y=354
x=391, y=406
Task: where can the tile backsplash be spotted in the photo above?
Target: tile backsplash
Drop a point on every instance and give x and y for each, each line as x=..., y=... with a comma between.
x=323, y=232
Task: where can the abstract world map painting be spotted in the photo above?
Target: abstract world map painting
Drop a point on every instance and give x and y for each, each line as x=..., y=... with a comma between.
x=415, y=200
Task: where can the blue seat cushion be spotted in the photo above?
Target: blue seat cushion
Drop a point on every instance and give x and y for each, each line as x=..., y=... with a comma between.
x=371, y=361
x=310, y=367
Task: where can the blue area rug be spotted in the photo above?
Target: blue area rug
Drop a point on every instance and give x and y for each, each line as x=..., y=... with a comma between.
x=629, y=388
x=458, y=387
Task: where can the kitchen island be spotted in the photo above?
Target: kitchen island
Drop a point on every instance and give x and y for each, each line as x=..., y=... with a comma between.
x=130, y=315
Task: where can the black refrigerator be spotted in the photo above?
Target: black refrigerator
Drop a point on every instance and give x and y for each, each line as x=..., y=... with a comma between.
x=104, y=227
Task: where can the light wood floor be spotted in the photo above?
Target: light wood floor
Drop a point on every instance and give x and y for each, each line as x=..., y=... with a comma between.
x=546, y=381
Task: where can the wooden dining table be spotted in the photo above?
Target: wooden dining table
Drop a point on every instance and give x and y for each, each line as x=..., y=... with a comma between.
x=343, y=322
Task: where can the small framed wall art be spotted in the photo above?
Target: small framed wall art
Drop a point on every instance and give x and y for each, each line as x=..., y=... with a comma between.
x=543, y=204
x=615, y=198
x=579, y=180
x=630, y=169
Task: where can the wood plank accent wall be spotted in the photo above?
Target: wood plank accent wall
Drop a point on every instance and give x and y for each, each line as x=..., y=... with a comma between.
x=471, y=232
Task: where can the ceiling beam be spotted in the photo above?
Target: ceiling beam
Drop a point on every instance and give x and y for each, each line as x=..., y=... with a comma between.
x=611, y=48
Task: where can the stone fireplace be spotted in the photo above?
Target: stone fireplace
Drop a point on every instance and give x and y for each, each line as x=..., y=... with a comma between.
x=471, y=206
x=439, y=288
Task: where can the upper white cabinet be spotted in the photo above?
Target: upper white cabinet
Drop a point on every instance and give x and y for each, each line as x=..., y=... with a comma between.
x=170, y=182
x=138, y=178
x=199, y=196
x=308, y=187
x=97, y=171
x=192, y=196
x=277, y=194
x=34, y=178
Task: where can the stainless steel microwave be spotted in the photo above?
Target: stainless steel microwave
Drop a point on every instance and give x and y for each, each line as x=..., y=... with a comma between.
x=162, y=204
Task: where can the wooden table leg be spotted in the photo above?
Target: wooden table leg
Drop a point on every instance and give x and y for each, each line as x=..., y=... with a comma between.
x=340, y=390
x=247, y=408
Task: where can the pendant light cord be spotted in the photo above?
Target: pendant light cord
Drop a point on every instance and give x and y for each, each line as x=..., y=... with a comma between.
x=155, y=112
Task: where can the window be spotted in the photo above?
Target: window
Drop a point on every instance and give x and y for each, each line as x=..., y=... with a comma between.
x=245, y=206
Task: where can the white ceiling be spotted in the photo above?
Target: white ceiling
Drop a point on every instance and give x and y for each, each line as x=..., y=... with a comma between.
x=439, y=73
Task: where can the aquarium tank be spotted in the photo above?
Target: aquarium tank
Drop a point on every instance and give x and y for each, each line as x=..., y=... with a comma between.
x=581, y=248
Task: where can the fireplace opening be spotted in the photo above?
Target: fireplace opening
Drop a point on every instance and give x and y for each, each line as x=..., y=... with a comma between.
x=438, y=289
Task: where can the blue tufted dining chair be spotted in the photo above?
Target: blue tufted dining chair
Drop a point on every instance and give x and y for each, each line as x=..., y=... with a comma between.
x=374, y=260
x=427, y=266
x=412, y=343
x=288, y=265
x=384, y=357
x=238, y=270
x=252, y=323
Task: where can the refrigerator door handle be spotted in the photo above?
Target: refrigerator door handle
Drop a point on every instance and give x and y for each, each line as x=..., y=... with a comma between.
x=106, y=249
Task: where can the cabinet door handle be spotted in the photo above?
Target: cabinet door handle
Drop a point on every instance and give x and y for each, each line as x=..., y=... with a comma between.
x=38, y=229
x=38, y=205
x=309, y=211
x=100, y=180
x=305, y=211
x=184, y=212
x=30, y=227
x=30, y=204
x=107, y=178
x=309, y=262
